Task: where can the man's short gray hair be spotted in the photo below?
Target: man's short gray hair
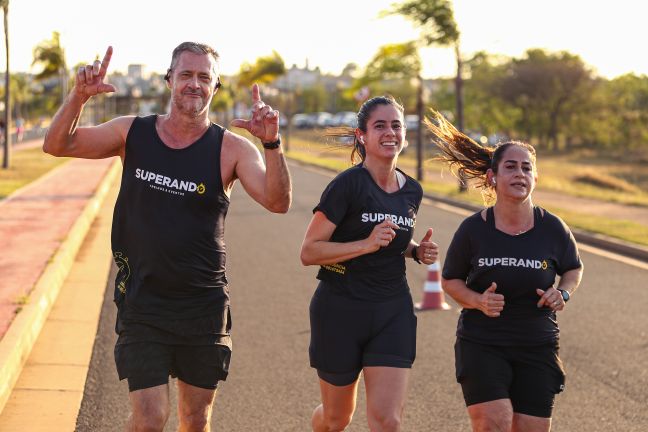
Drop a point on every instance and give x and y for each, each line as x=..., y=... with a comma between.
x=194, y=47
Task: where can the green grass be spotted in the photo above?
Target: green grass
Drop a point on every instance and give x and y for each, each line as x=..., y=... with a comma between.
x=590, y=177
x=26, y=166
x=622, y=229
x=595, y=177
x=586, y=174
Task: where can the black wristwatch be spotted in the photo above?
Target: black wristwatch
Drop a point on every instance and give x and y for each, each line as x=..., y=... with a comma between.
x=272, y=145
x=564, y=294
x=415, y=255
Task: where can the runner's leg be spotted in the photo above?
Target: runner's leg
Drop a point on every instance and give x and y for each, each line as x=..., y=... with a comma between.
x=194, y=407
x=337, y=407
x=386, y=392
x=150, y=409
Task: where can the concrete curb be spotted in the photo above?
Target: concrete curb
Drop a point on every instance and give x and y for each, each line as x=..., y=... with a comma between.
x=19, y=339
x=610, y=244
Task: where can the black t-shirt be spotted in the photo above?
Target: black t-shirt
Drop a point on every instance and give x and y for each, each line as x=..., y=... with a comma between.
x=355, y=204
x=168, y=233
x=519, y=264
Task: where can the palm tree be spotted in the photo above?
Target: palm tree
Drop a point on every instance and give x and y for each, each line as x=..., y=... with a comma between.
x=265, y=70
x=400, y=61
x=51, y=56
x=7, y=114
x=438, y=27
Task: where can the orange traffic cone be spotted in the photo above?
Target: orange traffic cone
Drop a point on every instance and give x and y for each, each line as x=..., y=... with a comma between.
x=433, y=297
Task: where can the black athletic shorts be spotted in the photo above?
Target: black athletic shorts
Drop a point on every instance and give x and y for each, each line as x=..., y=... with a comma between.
x=149, y=364
x=147, y=355
x=348, y=334
x=529, y=376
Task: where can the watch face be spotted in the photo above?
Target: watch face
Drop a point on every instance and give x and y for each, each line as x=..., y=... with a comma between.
x=565, y=295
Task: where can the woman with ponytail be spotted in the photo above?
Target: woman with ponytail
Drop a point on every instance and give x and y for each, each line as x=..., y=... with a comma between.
x=501, y=267
x=362, y=317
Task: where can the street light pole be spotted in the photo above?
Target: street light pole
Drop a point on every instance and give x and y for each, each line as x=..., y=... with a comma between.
x=7, y=102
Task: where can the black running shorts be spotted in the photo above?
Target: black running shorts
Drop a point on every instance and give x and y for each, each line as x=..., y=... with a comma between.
x=149, y=364
x=529, y=376
x=348, y=334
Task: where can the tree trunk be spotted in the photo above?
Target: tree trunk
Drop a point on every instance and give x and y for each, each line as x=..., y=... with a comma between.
x=6, y=162
x=419, y=132
x=463, y=185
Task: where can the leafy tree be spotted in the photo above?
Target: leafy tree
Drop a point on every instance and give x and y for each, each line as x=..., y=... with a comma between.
x=50, y=55
x=393, y=61
x=627, y=108
x=391, y=70
x=21, y=94
x=438, y=27
x=263, y=71
x=546, y=87
x=222, y=103
x=486, y=112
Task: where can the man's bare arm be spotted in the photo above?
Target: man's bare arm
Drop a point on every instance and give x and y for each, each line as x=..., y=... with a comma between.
x=267, y=183
x=65, y=138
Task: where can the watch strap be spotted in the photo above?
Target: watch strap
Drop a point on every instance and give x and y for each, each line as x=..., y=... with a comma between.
x=565, y=294
x=272, y=145
x=415, y=255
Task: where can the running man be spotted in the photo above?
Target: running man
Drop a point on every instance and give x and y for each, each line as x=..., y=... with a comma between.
x=168, y=227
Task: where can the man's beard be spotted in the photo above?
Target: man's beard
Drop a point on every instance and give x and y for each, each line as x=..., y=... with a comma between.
x=189, y=106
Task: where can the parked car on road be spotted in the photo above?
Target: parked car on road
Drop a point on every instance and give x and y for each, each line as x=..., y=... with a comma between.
x=303, y=121
x=412, y=122
x=345, y=118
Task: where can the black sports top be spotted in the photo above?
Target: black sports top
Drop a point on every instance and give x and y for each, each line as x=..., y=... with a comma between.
x=168, y=228
x=519, y=264
x=355, y=204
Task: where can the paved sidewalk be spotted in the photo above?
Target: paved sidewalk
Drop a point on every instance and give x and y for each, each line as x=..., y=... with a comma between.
x=54, y=375
x=42, y=227
x=34, y=222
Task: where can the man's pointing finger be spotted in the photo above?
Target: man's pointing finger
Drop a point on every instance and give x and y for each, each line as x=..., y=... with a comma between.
x=256, y=96
x=106, y=61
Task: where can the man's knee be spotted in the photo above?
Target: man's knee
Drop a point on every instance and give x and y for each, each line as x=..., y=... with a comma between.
x=194, y=422
x=490, y=422
x=149, y=419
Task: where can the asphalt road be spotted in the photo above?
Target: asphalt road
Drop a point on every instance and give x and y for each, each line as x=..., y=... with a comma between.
x=604, y=339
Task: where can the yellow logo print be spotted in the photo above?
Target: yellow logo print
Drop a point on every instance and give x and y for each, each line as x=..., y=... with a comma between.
x=124, y=271
x=544, y=264
x=201, y=189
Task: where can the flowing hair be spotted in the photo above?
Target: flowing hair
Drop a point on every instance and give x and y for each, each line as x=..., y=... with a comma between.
x=467, y=158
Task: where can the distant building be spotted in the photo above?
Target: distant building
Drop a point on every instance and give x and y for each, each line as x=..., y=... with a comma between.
x=297, y=77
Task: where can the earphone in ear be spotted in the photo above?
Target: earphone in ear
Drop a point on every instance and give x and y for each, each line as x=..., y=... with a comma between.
x=361, y=140
x=494, y=181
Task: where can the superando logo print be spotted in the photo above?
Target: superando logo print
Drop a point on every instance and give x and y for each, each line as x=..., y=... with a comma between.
x=513, y=262
x=168, y=184
x=401, y=221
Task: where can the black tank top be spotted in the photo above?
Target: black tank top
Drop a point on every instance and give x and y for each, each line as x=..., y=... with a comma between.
x=168, y=228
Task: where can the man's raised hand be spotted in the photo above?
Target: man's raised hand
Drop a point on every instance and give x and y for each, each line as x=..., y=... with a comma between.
x=90, y=78
x=264, y=121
